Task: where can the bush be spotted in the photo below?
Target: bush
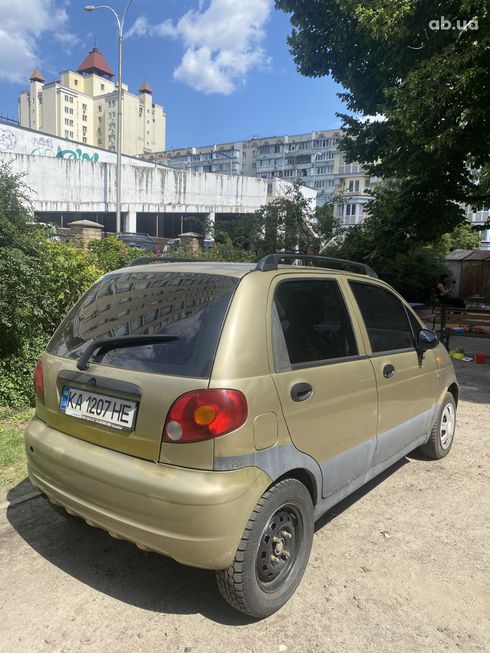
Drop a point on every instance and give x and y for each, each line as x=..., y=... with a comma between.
x=66, y=272
x=110, y=253
x=16, y=371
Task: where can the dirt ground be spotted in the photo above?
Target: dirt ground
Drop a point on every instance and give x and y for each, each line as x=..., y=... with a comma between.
x=403, y=565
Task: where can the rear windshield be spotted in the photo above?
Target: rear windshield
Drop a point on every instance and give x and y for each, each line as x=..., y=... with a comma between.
x=190, y=306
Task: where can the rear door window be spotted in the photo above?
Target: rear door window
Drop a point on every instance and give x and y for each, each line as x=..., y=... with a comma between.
x=384, y=316
x=311, y=324
x=189, y=306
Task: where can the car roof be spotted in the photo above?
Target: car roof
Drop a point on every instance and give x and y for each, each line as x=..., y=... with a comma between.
x=238, y=269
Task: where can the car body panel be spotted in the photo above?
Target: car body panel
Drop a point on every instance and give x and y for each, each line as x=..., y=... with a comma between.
x=156, y=390
x=325, y=426
x=193, y=516
x=192, y=501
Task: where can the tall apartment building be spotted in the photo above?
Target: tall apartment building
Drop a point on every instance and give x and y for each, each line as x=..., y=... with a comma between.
x=82, y=106
x=314, y=158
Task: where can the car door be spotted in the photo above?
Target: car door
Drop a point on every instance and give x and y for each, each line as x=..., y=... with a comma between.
x=406, y=379
x=325, y=383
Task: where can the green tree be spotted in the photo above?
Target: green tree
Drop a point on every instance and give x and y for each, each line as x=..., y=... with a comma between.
x=397, y=59
x=291, y=223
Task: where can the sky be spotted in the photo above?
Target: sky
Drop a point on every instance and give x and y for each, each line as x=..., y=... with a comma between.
x=221, y=68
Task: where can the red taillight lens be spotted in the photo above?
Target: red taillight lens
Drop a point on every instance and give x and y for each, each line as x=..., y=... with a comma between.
x=205, y=414
x=39, y=381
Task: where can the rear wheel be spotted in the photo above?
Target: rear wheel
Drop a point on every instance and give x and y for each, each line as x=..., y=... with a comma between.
x=442, y=434
x=273, y=552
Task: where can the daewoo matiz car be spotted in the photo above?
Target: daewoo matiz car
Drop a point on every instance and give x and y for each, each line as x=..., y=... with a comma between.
x=212, y=411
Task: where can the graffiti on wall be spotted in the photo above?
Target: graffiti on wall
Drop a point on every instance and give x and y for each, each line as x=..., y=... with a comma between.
x=16, y=140
x=77, y=155
x=8, y=140
x=43, y=146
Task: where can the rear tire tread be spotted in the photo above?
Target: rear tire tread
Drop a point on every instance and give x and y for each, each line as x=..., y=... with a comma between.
x=231, y=581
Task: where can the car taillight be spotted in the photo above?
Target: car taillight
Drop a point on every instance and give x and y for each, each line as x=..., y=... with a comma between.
x=39, y=381
x=204, y=414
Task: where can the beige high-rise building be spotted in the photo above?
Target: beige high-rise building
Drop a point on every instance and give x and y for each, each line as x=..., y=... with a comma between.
x=82, y=106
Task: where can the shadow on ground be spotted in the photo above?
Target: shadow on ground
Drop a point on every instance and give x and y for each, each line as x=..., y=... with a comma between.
x=119, y=569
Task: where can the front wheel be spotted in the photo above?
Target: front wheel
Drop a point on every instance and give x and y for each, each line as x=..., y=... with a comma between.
x=273, y=553
x=442, y=434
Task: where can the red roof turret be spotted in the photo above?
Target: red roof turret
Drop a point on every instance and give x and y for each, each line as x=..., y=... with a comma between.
x=37, y=76
x=145, y=88
x=94, y=63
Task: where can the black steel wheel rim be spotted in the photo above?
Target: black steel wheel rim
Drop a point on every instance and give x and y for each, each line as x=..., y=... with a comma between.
x=278, y=548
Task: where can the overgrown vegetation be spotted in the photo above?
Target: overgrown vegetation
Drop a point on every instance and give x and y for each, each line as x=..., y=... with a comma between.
x=39, y=281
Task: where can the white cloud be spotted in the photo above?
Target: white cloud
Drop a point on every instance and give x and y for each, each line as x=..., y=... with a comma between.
x=222, y=42
x=22, y=23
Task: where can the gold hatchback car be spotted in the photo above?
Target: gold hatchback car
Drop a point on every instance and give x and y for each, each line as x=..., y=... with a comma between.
x=213, y=411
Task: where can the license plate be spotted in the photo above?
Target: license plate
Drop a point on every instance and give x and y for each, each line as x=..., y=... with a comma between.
x=118, y=413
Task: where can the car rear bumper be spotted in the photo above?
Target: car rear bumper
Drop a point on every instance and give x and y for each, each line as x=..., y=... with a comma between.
x=195, y=517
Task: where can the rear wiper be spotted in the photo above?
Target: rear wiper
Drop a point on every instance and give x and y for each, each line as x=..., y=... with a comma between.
x=115, y=343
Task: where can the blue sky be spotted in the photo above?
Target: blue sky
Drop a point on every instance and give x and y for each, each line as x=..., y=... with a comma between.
x=221, y=68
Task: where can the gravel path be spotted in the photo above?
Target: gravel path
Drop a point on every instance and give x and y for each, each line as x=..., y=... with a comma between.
x=403, y=565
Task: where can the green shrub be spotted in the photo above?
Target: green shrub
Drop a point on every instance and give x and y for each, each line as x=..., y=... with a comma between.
x=66, y=272
x=16, y=370
x=110, y=253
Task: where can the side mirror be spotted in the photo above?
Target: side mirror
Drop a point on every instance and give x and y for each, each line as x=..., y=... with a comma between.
x=426, y=339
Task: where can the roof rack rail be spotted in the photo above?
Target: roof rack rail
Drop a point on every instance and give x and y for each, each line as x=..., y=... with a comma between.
x=142, y=260
x=271, y=262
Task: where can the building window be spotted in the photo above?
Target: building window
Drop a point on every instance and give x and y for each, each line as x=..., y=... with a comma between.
x=71, y=110
x=354, y=186
x=67, y=133
x=66, y=98
x=100, y=141
x=102, y=87
x=350, y=209
x=99, y=108
x=84, y=107
x=66, y=109
x=84, y=139
x=76, y=82
x=84, y=118
x=84, y=130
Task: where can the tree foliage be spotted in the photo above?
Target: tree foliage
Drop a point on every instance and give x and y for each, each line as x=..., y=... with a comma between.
x=399, y=60
x=291, y=223
x=39, y=282
x=411, y=269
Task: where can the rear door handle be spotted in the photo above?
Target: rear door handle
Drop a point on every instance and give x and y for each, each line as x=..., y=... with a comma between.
x=301, y=391
x=388, y=371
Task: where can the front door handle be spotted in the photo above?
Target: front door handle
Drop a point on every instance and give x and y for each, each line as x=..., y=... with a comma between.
x=301, y=391
x=388, y=371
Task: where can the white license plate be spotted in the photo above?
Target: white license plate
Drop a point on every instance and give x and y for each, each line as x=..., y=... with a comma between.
x=118, y=413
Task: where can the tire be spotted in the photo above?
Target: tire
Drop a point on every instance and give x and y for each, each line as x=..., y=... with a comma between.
x=273, y=553
x=442, y=434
